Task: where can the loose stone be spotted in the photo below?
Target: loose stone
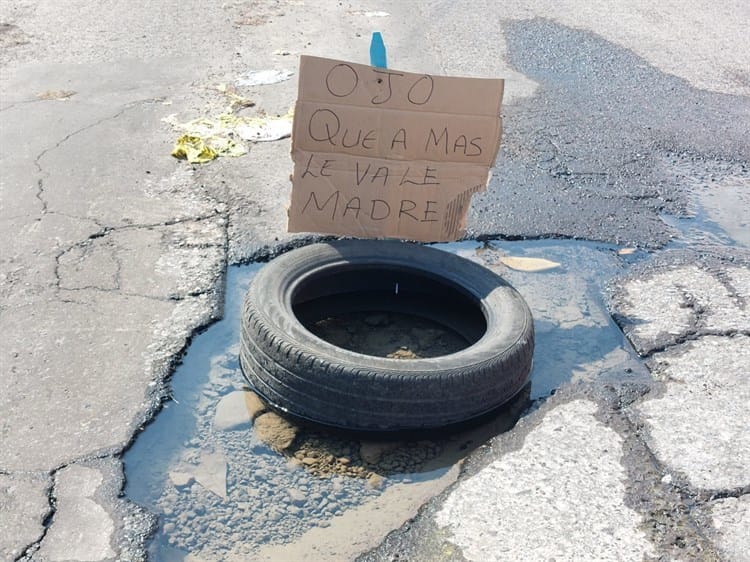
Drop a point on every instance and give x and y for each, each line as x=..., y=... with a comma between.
x=275, y=431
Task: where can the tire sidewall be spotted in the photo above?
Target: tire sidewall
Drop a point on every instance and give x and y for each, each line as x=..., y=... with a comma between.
x=506, y=313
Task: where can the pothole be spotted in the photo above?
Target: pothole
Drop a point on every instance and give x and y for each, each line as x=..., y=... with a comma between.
x=230, y=479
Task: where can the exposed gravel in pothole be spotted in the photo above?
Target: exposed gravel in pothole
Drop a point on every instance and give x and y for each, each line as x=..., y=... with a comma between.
x=389, y=334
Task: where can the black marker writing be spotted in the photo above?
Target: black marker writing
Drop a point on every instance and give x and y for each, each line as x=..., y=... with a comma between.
x=421, y=91
x=344, y=77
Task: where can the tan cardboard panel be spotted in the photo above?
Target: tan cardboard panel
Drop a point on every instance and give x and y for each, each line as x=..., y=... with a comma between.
x=387, y=154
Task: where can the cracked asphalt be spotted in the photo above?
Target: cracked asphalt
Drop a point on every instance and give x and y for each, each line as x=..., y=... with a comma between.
x=624, y=123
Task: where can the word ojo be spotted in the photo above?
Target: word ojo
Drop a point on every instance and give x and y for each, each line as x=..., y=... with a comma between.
x=342, y=81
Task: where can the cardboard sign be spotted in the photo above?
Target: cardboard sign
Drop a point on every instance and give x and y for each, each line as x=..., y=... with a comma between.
x=380, y=153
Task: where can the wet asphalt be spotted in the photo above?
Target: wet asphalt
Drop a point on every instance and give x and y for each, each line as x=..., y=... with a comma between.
x=592, y=154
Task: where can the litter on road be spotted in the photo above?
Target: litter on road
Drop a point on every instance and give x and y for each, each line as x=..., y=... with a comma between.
x=197, y=150
x=237, y=101
x=528, y=264
x=207, y=138
x=260, y=129
x=373, y=14
x=264, y=77
x=193, y=149
x=56, y=95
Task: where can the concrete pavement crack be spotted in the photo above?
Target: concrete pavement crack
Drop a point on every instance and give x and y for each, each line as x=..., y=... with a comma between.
x=25, y=102
x=711, y=495
x=16, y=104
x=127, y=540
x=39, y=195
x=117, y=291
x=106, y=230
x=109, y=229
x=667, y=510
x=28, y=553
x=693, y=336
x=700, y=312
x=66, y=138
x=75, y=217
x=733, y=292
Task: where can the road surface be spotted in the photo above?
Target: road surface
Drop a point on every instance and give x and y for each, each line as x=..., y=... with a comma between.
x=618, y=118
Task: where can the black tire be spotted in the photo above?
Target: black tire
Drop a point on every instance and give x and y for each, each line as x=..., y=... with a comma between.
x=299, y=373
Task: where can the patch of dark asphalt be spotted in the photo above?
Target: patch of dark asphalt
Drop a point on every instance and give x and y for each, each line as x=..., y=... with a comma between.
x=590, y=156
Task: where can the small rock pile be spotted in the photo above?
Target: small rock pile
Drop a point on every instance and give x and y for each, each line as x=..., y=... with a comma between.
x=325, y=455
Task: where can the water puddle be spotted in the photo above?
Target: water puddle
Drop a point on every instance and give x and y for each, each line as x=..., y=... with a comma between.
x=389, y=334
x=718, y=203
x=727, y=204
x=226, y=487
